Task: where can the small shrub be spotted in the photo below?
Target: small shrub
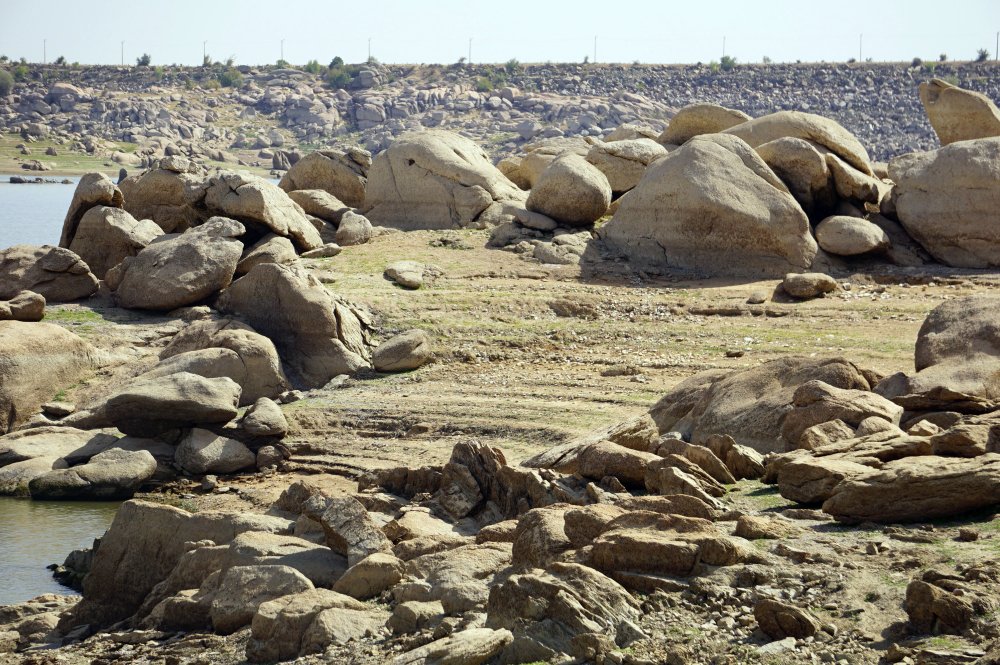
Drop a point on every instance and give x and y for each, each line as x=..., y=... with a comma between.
x=21, y=72
x=143, y=60
x=158, y=73
x=281, y=63
x=460, y=62
x=313, y=67
x=231, y=61
x=484, y=84
x=61, y=60
x=728, y=63
x=211, y=84
x=6, y=83
x=206, y=61
x=852, y=61
x=230, y=78
x=512, y=65
x=713, y=67
x=767, y=60
x=943, y=57
x=340, y=76
x=336, y=62
x=929, y=67
x=4, y=58
x=982, y=55
x=916, y=62
x=372, y=60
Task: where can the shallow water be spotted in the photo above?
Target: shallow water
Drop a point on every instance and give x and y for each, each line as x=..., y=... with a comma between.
x=33, y=214
x=34, y=534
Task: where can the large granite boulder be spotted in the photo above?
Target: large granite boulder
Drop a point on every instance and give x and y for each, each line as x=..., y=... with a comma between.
x=572, y=191
x=169, y=194
x=957, y=359
x=957, y=114
x=437, y=180
x=180, y=269
x=55, y=273
x=262, y=374
x=148, y=407
x=142, y=547
x=749, y=405
x=803, y=168
x=947, y=199
x=342, y=174
x=25, y=306
x=37, y=360
x=624, y=163
x=317, y=334
x=105, y=236
x=29, y=453
x=809, y=126
x=711, y=207
x=112, y=474
x=261, y=206
x=94, y=189
x=697, y=119
x=201, y=451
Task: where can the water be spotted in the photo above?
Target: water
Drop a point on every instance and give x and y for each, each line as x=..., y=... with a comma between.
x=33, y=214
x=34, y=534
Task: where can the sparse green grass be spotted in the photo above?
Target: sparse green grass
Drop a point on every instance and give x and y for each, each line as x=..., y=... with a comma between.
x=945, y=642
x=65, y=163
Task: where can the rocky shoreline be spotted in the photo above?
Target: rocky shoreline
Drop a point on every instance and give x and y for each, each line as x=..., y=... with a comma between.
x=806, y=508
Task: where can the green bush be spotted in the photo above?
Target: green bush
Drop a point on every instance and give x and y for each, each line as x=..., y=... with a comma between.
x=61, y=60
x=728, y=63
x=231, y=78
x=211, y=84
x=943, y=57
x=144, y=60
x=313, y=67
x=713, y=67
x=916, y=62
x=484, y=84
x=983, y=55
x=512, y=65
x=6, y=83
x=21, y=72
x=281, y=63
x=336, y=62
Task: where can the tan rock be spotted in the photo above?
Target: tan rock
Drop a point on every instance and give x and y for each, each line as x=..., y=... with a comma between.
x=698, y=119
x=957, y=114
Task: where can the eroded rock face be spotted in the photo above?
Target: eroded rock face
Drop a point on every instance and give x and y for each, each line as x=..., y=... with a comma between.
x=957, y=114
x=712, y=207
x=317, y=334
x=803, y=168
x=37, y=360
x=918, y=488
x=342, y=174
x=105, y=236
x=55, y=273
x=437, y=180
x=947, y=200
x=624, y=162
x=94, y=189
x=179, y=270
x=263, y=375
x=258, y=203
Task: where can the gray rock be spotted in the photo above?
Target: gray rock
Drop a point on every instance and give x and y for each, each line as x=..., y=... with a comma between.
x=113, y=474
x=404, y=352
x=201, y=451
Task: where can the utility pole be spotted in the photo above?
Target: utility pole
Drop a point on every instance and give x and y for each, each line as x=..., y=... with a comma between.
x=595, y=49
x=998, y=47
x=369, y=49
x=470, y=50
x=282, y=49
x=45, y=55
x=204, y=52
x=861, y=38
x=723, y=47
x=123, y=53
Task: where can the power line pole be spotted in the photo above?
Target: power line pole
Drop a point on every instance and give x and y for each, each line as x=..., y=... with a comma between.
x=861, y=38
x=282, y=49
x=369, y=49
x=45, y=55
x=470, y=50
x=123, y=53
x=998, y=47
x=723, y=47
x=595, y=49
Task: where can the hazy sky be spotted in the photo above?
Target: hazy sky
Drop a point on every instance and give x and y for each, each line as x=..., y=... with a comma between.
x=438, y=31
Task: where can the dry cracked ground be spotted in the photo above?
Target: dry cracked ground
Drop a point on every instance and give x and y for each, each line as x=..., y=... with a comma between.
x=529, y=356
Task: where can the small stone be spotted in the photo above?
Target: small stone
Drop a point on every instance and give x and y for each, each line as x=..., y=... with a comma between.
x=58, y=409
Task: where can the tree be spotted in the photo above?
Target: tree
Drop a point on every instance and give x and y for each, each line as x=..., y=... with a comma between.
x=61, y=60
x=313, y=67
x=336, y=62
x=144, y=60
x=6, y=83
x=916, y=62
x=943, y=57
x=727, y=63
x=983, y=55
x=512, y=65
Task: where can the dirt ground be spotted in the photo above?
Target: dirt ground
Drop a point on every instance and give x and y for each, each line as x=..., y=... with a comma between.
x=529, y=356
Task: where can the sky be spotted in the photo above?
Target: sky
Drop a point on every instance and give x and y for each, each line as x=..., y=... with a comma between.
x=438, y=31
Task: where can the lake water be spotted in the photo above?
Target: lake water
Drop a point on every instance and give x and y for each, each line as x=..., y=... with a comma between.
x=34, y=534
x=33, y=214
